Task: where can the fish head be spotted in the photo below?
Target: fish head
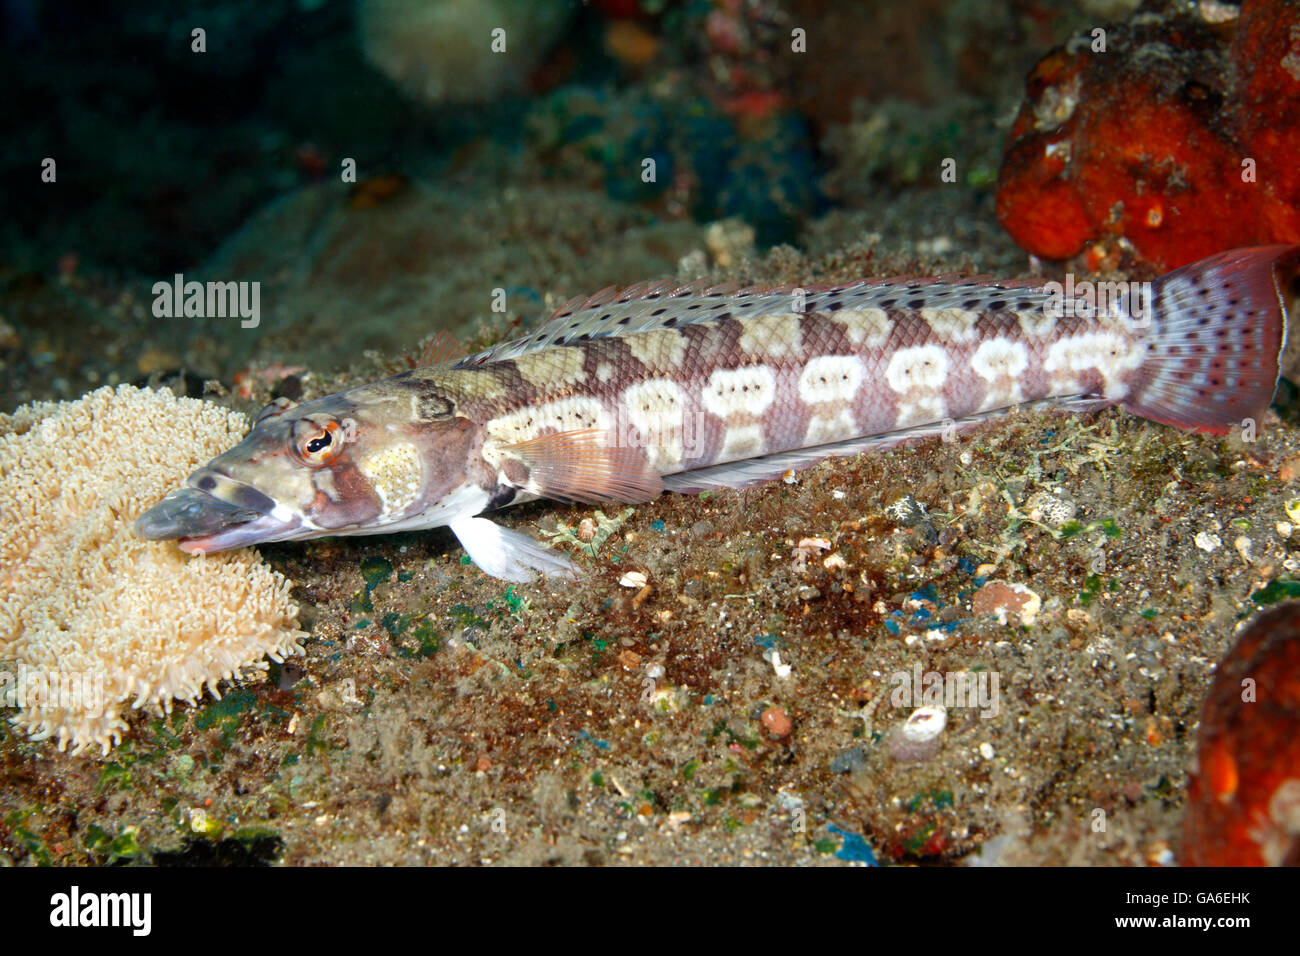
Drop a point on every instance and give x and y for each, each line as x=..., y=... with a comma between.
x=352, y=463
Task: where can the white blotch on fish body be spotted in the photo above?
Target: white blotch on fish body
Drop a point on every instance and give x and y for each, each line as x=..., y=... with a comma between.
x=395, y=473
x=1000, y=362
x=656, y=407
x=831, y=378
x=864, y=328
x=951, y=325
x=1108, y=352
x=562, y=415
x=917, y=375
x=741, y=392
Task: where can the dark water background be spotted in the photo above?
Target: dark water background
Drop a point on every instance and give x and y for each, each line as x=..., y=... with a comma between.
x=228, y=164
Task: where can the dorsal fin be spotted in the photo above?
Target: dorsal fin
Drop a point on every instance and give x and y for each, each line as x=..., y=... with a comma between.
x=442, y=348
x=667, y=303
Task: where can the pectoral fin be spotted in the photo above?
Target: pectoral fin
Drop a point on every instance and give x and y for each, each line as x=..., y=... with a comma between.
x=586, y=465
x=508, y=554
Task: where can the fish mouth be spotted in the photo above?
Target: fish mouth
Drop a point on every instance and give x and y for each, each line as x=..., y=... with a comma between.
x=202, y=522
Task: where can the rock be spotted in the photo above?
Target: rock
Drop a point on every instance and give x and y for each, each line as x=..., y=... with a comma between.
x=1208, y=542
x=849, y=760
x=906, y=512
x=1010, y=602
x=923, y=536
x=777, y=722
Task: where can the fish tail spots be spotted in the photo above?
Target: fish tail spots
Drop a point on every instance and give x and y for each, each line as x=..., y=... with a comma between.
x=1218, y=330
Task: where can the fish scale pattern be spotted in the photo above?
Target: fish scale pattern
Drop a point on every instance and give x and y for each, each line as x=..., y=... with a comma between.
x=867, y=360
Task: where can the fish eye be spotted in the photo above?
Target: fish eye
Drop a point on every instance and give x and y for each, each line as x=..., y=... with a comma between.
x=317, y=443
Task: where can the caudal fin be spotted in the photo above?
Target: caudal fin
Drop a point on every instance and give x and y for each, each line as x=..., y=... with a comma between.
x=1219, y=327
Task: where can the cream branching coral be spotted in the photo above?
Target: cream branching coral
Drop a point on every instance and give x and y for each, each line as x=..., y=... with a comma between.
x=94, y=621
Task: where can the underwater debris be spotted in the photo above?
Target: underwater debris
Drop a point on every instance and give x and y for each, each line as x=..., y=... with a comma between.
x=1051, y=509
x=1208, y=541
x=92, y=616
x=591, y=533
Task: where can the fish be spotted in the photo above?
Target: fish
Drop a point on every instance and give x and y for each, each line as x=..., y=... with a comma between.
x=687, y=388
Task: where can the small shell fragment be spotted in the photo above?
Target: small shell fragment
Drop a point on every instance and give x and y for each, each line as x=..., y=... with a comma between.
x=926, y=723
x=633, y=579
x=1208, y=542
x=782, y=670
x=1051, y=509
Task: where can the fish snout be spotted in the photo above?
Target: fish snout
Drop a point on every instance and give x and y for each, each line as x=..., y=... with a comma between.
x=210, y=502
x=186, y=513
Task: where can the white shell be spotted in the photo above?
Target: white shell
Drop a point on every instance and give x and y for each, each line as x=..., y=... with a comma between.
x=926, y=723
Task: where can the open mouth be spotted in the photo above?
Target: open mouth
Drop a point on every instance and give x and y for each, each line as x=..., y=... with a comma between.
x=204, y=523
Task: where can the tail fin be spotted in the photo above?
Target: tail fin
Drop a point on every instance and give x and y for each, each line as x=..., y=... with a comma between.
x=1219, y=330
